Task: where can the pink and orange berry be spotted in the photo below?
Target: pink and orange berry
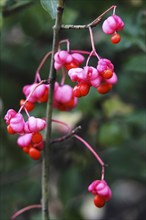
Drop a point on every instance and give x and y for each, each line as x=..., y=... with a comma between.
x=112, y=25
x=102, y=192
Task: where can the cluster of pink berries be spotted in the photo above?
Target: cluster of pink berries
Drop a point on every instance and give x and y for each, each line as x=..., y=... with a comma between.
x=30, y=139
x=68, y=60
x=102, y=192
x=63, y=99
x=102, y=78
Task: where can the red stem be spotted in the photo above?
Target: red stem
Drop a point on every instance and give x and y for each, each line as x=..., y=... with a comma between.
x=62, y=123
x=24, y=210
x=91, y=38
x=63, y=77
x=93, y=152
x=67, y=43
x=40, y=66
x=100, y=16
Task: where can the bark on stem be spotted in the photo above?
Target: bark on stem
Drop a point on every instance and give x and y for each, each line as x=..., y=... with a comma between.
x=92, y=24
x=47, y=152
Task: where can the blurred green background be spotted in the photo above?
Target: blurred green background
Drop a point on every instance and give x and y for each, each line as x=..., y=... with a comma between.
x=114, y=124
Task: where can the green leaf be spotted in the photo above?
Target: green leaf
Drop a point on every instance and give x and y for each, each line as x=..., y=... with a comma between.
x=50, y=6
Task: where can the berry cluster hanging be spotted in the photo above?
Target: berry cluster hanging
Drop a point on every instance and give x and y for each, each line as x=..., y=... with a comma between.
x=102, y=77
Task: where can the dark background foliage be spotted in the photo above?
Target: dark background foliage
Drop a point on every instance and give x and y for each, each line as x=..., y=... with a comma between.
x=113, y=124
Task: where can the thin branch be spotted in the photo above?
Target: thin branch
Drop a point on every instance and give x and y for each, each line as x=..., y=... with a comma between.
x=24, y=210
x=49, y=109
x=97, y=20
x=78, y=27
x=94, y=153
x=92, y=39
x=62, y=123
x=41, y=64
x=67, y=136
x=67, y=43
x=92, y=24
